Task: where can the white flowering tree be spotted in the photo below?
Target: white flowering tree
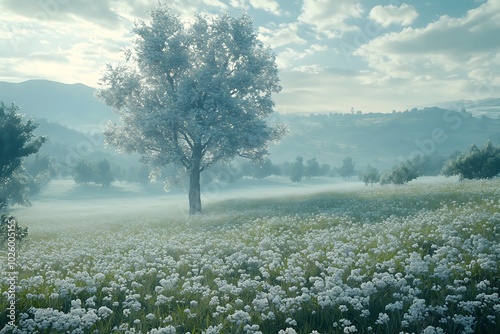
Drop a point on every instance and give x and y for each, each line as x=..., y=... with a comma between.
x=193, y=94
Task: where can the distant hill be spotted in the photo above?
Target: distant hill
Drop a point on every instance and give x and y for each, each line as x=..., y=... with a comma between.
x=382, y=139
x=376, y=138
x=486, y=107
x=72, y=105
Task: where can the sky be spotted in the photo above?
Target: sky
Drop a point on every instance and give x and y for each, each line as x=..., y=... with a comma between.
x=333, y=55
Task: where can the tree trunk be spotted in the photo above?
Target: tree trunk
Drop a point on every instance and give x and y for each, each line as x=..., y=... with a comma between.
x=194, y=192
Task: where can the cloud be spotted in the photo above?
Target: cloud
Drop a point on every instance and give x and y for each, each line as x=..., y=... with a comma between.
x=313, y=68
x=289, y=56
x=403, y=15
x=465, y=48
x=330, y=17
x=316, y=89
x=268, y=5
x=285, y=33
x=216, y=3
x=64, y=10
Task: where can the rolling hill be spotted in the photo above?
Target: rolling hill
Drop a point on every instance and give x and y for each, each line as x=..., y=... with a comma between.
x=66, y=112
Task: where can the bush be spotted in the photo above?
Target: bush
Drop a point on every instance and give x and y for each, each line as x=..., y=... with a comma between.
x=477, y=163
x=370, y=176
x=400, y=174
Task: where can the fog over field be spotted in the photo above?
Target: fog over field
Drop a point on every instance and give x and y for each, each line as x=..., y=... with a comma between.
x=66, y=203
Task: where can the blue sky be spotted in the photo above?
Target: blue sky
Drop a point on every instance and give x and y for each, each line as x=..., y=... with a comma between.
x=333, y=55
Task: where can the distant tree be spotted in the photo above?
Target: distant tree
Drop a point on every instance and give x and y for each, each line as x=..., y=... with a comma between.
x=400, y=174
x=15, y=189
x=103, y=174
x=347, y=168
x=297, y=170
x=312, y=168
x=40, y=170
x=83, y=172
x=17, y=141
x=285, y=168
x=428, y=165
x=264, y=169
x=193, y=95
x=476, y=163
x=325, y=169
x=370, y=176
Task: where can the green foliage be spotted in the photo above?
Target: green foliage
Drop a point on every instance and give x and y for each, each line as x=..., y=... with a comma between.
x=15, y=189
x=370, y=176
x=193, y=95
x=400, y=174
x=428, y=165
x=260, y=170
x=312, y=168
x=347, y=168
x=18, y=231
x=99, y=173
x=17, y=141
x=476, y=163
x=297, y=170
x=40, y=170
x=104, y=175
x=83, y=172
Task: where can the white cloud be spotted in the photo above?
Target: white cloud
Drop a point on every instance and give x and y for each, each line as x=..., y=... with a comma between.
x=386, y=15
x=64, y=11
x=215, y=3
x=314, y=68
x=289, y=56
x=330, y=17
x=465, y=49
x=308, y=90
x=286, y=33
x=268, y=5
x=239, y=4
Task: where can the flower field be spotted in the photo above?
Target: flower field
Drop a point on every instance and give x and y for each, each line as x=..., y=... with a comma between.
x=421, y=258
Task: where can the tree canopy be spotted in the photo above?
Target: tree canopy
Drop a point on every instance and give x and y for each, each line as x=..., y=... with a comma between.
x=16, y=142
x=476, y=163
x=193, y=94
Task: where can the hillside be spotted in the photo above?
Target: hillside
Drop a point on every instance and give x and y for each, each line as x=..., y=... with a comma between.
x=383, y=139
x=376, y=138
x=72, y=105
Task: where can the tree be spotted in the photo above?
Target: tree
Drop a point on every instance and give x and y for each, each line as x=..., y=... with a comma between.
x=400, y=174
x=262, y=169
x=17, y=141
x=83, y=172
x=297, y=170
x=370, y=176
x=483, y=163
x=103, y=174
x=428, y=165
x=347, y=168
x=40, y=170
x=312, y=168
x=193, y=95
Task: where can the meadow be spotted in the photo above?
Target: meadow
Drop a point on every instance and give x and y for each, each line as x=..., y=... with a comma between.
x=420, y=258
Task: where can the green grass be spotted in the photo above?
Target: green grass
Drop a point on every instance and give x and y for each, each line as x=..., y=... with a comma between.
x=424, y=255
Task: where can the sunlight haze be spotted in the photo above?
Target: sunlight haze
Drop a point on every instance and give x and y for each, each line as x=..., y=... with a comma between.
x=333, y=55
